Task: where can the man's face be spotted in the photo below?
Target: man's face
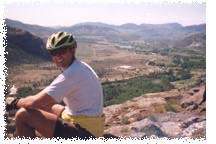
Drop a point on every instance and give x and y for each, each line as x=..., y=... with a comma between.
x=63, y=57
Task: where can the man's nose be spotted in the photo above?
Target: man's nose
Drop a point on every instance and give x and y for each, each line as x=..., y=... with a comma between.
x=57, y=57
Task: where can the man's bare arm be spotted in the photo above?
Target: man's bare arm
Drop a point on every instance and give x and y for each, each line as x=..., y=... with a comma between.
x=41, y=101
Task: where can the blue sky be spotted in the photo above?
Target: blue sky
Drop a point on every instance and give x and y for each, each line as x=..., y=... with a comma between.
x=70, y=13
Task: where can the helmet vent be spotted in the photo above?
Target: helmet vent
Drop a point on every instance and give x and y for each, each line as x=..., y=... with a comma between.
x=70, y=39
x=60, y=34
x=53, y=40
x=62, y=41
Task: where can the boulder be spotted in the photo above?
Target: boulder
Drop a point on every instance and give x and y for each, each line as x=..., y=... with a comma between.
x=193, y=100
x=192, y=107
x=191, y=121
x=153, y=130
x=195, y=130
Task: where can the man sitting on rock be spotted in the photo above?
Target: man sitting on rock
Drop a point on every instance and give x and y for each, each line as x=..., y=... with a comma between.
x=77, y=86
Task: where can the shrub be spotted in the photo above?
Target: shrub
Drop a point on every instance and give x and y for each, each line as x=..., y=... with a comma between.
x=170, y=107
x=26, y=91
x=120, y=91
x=124, y=129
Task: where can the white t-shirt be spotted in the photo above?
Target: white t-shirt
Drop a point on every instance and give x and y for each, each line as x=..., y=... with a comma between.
x=78, y=86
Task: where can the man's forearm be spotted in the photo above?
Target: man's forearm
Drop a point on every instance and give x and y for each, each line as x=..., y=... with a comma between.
x=32, y=102
x=26, y=102
x=49, y=106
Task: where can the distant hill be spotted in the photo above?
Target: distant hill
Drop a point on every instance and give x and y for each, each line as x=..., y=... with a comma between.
x=92, y=30
x=23, y=47
x=196, y=28
x=25, y=41
x=129, y=31
x=195, y=40
x=40, y=31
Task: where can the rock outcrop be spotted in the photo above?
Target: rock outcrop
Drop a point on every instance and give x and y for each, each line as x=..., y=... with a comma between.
x=171, y=114
x=166, y=114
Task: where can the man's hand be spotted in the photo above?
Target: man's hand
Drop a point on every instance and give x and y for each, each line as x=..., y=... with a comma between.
x=13, y=91
x=11, y=103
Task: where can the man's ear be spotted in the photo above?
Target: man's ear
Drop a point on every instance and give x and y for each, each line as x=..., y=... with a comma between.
x=73, y=50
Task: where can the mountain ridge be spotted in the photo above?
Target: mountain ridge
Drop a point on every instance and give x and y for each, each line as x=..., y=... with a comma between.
x=23, y=47
x=142, y=31
x=170, y=35
x=176, y=24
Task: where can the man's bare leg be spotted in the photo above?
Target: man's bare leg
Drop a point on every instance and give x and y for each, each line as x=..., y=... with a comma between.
x=57, y=109
x=29, y=120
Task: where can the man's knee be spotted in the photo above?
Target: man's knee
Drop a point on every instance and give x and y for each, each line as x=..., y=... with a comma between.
x=57, y=109
x=21, y=115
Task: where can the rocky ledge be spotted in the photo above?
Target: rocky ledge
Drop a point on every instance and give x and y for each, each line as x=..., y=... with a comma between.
x=171, y=114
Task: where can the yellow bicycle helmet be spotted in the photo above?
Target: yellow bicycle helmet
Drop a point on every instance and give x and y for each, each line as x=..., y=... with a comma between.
x=60, y=40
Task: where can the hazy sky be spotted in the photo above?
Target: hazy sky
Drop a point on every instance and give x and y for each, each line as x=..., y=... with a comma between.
x=70, y=13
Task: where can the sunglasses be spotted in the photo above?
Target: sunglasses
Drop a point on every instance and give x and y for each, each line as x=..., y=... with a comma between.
x=61, y=51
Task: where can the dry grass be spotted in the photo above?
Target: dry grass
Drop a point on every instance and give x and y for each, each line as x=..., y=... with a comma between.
x=27, y=75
